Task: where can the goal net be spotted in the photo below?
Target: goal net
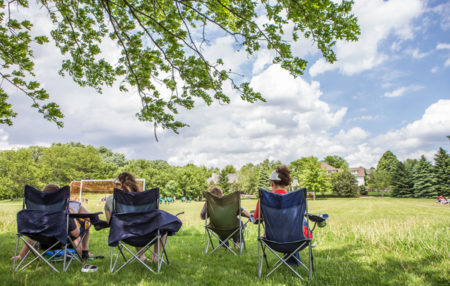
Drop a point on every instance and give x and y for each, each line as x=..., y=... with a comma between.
x=79, y=188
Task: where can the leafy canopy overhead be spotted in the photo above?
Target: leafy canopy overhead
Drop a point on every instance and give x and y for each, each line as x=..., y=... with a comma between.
x=162, y=47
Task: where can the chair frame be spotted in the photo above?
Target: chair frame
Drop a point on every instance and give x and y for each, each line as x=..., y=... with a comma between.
x=209, y=234
x=122, y=247
x=282, y=260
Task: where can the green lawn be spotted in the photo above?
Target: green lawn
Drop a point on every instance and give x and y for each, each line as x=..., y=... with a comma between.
x=368, y=241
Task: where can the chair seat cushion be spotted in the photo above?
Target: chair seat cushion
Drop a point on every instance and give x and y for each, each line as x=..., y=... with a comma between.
x=141, y=224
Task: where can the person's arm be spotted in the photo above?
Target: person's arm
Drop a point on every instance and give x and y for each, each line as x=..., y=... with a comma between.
x=203, y=212
x=108, y=208
x=256, y=213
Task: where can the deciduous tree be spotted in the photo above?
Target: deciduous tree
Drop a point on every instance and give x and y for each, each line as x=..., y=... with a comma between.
x=161, y=46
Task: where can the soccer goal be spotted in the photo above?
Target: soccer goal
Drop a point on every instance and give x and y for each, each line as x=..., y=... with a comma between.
x=77, y=188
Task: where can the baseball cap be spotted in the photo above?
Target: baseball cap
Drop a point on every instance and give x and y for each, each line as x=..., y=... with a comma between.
x=274, y=176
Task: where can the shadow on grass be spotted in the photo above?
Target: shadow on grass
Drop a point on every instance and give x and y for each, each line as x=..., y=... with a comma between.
x=345, y=265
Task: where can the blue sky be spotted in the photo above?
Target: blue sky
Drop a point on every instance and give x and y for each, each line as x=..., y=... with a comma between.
x=388, y=91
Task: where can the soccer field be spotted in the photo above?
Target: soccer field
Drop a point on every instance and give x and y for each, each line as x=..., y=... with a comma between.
x=367, y=241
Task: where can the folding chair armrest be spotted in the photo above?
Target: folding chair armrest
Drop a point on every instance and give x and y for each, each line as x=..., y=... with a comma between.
x=87, y=215
x=317, y=217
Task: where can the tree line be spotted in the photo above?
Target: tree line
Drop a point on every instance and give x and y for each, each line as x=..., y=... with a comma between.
x=62, y=163
x=413, y=178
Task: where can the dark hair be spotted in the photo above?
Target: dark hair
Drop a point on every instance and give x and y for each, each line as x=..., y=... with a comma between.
x=284, y=174
x=216, y=191
x=128, y=182
x=50, y=188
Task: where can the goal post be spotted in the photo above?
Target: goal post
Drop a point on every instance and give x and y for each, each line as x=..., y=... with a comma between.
x=96, y=186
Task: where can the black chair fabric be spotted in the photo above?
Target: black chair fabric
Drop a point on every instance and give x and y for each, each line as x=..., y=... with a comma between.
x=140, y=218
x=45, y=214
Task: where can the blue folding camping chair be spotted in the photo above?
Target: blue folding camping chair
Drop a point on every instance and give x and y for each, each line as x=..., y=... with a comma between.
x=283, y=218
x=136, y=220
x=45, y=219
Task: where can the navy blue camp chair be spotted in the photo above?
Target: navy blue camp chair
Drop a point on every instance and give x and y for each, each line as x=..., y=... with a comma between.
x=283, y=217
x=44, y=218
x=136, y=220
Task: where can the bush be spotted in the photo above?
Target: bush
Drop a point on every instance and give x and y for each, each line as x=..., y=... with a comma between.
x=344, y=184
x=363, y=190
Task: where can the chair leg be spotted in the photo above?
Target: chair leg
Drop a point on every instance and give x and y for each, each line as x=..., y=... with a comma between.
x=260, y=263
x=310, y=262
x=15, y=254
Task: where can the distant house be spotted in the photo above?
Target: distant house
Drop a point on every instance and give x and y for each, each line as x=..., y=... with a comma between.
x=214, y=179
x=330, y=169
x=358, y=172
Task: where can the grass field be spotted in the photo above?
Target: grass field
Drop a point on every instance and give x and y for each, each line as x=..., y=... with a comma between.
x=368, y=241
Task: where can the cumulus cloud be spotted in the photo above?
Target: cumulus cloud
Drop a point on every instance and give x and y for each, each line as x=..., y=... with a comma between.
x=377, y=20
x=421, y=134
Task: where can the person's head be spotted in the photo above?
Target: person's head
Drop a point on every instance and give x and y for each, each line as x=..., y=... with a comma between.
x=126, y=182
x=280, y=178
x=217, y=192
x=50, y=188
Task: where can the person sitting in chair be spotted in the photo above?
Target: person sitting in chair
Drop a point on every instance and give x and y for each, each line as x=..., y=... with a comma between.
x=280, y=179
x=127, y=182
x=75, y=229
x=218, y=192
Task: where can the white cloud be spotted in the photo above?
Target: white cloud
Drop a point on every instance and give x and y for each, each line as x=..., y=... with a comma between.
x=443, y=10
x=431, y=128
x=447, y=63
x=402, y=90
x=443, y=46
x=378, y=20
x=417, y=54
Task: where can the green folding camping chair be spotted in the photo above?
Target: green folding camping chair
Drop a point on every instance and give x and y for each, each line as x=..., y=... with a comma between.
x=223, y=221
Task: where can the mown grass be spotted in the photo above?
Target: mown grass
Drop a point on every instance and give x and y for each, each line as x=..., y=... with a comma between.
x=368, y=241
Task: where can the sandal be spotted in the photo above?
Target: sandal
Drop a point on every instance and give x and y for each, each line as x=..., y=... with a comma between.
x=89, y=268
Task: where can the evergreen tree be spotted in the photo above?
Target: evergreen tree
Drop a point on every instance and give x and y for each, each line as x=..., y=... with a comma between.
x=442, y=172
x=264, y=179
x=402, y=184
x=223, y=182
x=424, y=181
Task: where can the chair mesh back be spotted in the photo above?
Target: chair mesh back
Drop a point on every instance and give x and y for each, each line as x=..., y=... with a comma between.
x=222, y=211
x=128, y=202
x=45, y=215
x=53, y=201
x=283, y=215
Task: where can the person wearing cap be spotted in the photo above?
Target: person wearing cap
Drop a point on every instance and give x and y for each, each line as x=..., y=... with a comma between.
x=127, y=182
x=280, y=179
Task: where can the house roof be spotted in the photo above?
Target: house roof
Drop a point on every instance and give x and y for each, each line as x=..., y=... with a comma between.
x=360, y=171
